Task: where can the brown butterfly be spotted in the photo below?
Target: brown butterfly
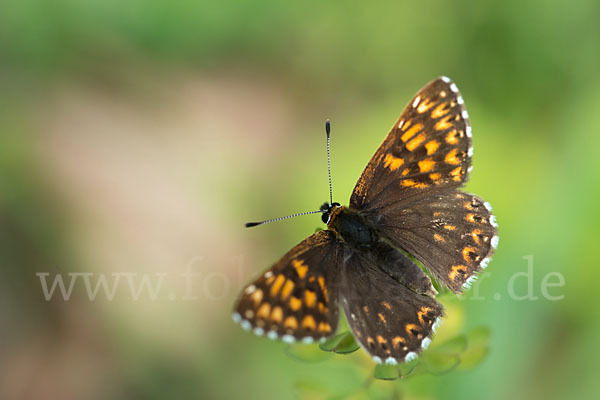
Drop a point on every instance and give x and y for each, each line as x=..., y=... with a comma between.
x=406, y=204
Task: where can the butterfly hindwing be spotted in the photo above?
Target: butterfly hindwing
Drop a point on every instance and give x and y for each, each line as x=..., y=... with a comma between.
x=393, y=323
x=296, y=299
x=453, y=234
x=428, y=149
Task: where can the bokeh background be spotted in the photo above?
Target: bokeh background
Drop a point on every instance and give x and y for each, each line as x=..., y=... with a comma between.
x=138, y=136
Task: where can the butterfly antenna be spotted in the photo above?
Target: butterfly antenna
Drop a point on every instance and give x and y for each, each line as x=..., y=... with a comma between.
x=328, y=130
x=251, y=224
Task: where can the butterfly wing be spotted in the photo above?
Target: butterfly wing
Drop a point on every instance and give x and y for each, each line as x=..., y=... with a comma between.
x=409, y=188
x=453, y=234
x=296, y=299
x=428, y=150
x=390, y=321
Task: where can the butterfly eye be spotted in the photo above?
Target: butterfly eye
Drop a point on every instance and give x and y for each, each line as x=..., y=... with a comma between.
x=325, y=218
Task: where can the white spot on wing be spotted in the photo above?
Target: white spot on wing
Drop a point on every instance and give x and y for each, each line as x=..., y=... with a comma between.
x=469, y=131
x=425, y=343
x=272, y=335
x=470, y=152
x=307, y=340
x=391, y=361
x=460, y=100
x=268, y=274
x=465, y=114
x=436, y=324
x=246, y=325
x=493, y=221
x=236, y=317
x=377, y=359
x=410, y=356
x=400, y=124
x=494, y=241
x=446, y=79
x=485, y=262
x=258, y=331
x=250, y=289
x=288, y=338
x=487, y=205
x=416, y=102
x=454, y=88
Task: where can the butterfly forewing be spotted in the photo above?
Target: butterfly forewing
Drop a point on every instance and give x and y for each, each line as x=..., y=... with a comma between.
x=297, y=298
x=428, y=150
x=391, y=322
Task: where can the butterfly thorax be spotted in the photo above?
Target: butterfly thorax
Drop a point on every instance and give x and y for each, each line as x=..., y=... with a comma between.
x=353, y=229
x=362, y=238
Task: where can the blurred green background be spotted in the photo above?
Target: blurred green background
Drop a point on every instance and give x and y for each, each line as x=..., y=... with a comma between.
x=138, y=136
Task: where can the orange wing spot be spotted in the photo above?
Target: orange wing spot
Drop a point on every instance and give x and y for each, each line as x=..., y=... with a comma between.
x=468, y=205
x=440, y=111
x=432, y=146
x=435, y=176
x=476, y=234
x=393, y=163
x=386, y=305
x=397, y=340
x=311, y=279
x=472, y=218
x=381, y=339
x=295, y=303
x=452, y=158
x=290, y=323
x=411, y=183
x=470, y=254
x=449, y=227
x=300, y=267
x=263, y=311
x=416, y=142
x=443, y=93
x=426, y=165
x=270, y=280
x=410, y=328
x=382, y=318
x=366, y=309
x=451, y=137
x=310, y=298
x=411, y=132
x=425, y=105
x=455, y=173
x=256, y=297
x=277, y=315
x=439, y=238
x=370, y=341
x=405, y=171
x=423, y=312
x=323, y=287
x=443, y=124
x=309, y=323
x=324, y=327
x=322, y=308
x=456, y=270
x=287, y=289
x=277, y=285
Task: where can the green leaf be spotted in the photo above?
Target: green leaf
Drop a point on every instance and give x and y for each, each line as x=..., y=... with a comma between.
x=343, y=343
x=386, y=372
x=441, y=363
x=306, y=353
x=478, y=347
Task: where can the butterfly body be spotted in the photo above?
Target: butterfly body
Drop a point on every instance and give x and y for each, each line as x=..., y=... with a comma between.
x=406, y=202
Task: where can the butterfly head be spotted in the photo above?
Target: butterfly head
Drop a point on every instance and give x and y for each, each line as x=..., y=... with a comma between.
x=328, y=209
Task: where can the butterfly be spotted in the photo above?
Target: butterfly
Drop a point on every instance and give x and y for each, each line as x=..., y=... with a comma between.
x=406, y=206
